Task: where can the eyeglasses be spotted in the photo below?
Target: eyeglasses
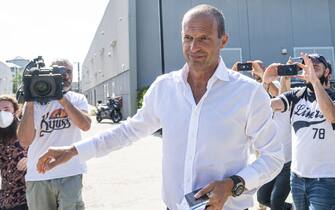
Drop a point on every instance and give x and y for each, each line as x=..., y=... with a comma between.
x=68, y=71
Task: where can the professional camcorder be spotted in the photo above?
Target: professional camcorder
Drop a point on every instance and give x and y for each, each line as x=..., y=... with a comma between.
x=42, y=84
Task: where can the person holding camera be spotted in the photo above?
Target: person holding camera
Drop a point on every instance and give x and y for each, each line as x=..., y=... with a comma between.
x=13, y=158
x=56, y=123
x=209, y=115
x=312, y=112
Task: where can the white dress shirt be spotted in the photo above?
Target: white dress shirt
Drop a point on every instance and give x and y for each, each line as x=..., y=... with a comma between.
x=202, y=142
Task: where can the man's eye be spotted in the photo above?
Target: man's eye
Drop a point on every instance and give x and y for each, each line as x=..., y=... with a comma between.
x=187, y=38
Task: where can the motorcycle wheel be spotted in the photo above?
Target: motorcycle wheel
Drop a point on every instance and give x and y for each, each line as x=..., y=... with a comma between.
x=116, y=116
x=99, y=118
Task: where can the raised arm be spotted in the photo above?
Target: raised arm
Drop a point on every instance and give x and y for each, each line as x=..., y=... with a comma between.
x=327, y=106
x=26, y=129
x=270, y=74
x=78, y=117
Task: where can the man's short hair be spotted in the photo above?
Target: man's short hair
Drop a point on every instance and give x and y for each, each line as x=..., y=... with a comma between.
x=63, y=62
x=205, y=9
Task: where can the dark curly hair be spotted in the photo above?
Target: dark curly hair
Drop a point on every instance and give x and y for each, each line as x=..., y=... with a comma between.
x=7, y=135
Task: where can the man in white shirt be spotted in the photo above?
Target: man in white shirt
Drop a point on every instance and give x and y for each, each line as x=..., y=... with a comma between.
x=312, y=110
x=56, y=123
x=210, y=116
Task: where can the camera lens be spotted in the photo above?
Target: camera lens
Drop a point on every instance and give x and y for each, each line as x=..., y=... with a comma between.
x=42, y=88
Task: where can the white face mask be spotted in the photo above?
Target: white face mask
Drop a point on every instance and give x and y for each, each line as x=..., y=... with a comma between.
x=6, y=119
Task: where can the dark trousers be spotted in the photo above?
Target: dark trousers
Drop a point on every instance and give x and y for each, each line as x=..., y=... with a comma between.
x=22, y=207
x=273, y=194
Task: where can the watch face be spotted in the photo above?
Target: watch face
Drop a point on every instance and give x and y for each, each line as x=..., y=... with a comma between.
x=238, y=189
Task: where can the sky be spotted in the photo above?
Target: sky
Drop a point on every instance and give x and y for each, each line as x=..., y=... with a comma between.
x=50, y=28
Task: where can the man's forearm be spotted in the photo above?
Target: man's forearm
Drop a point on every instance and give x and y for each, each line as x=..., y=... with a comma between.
x=26, y=129
x=79, y=118
x=273, y=90
x=327, y=106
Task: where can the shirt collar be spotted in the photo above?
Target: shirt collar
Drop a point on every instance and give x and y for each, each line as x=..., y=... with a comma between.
x=220, y=73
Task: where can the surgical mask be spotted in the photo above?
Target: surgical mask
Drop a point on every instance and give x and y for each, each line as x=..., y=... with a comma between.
x=6, y=119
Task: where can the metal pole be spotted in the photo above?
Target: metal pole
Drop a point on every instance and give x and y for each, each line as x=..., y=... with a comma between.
x=161, y=34
x=78, y=76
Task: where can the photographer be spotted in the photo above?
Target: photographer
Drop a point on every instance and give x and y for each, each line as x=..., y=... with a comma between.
x=13, y=158
x=312, y=111
x=56, y=123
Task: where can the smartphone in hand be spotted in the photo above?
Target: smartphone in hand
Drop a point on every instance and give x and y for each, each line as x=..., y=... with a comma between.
x=244, y=66
x=288, y=70
x=194, y=203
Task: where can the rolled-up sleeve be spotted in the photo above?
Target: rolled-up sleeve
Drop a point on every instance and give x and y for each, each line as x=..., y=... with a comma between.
x=262, y=131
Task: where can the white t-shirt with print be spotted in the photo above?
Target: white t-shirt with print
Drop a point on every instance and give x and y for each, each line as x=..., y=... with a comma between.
x=54, y=128
x=282, y=121
x=313, y=137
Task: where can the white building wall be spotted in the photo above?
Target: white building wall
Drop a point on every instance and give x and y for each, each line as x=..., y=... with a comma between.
x=108, y=59
x=6, y=83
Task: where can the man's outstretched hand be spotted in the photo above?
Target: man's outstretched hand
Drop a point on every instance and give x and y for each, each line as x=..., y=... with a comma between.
x=54, y=157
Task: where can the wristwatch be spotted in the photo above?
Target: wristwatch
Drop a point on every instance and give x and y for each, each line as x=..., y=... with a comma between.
x=239, y=185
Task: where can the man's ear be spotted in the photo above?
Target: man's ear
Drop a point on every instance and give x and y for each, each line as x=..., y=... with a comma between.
x=224, y=40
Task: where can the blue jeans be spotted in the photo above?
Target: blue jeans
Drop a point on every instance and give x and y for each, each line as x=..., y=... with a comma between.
x=274, y=193
x=313, y=193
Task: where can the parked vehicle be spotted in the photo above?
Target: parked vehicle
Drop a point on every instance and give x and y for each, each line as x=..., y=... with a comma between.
x=111, y=110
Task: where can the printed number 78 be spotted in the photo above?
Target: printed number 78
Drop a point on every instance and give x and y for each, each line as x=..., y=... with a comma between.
x=319, y=132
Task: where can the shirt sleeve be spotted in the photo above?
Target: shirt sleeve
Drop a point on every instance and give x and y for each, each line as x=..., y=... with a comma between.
x=262, y=132
x=79, y=101
x=289, y=98
x=143, y=123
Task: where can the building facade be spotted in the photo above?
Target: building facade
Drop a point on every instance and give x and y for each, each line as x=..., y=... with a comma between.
x=6, y=83
x=138, y=40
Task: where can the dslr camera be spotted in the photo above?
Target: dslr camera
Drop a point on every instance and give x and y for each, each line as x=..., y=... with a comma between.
x=42, y=84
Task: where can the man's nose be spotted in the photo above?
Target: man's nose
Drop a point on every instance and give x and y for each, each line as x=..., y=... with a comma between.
x=194, y=45
x=66, y=75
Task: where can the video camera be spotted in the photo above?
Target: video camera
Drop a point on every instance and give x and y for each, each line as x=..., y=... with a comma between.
x=42, y=84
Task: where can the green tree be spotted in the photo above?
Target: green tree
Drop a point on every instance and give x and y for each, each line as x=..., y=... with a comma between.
x=17, y=80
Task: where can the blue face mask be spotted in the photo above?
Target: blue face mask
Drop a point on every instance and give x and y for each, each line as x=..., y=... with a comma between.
x=6, y=119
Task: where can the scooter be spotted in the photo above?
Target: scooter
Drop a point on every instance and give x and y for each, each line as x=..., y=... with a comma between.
x=111, y=110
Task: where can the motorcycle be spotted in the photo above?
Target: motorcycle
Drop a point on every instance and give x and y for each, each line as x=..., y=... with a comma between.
x=111, y=110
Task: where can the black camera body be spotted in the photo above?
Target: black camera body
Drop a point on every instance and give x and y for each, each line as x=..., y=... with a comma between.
x=42, y=84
